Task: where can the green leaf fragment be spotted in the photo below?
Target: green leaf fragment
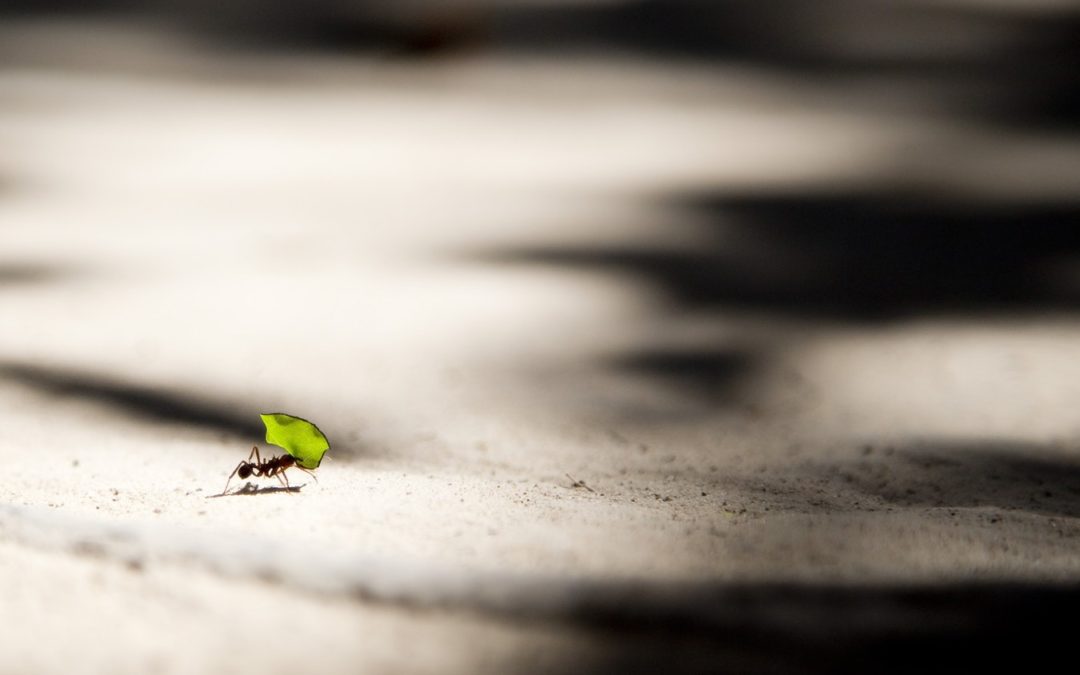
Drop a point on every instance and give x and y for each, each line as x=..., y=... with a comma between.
x=296, y=436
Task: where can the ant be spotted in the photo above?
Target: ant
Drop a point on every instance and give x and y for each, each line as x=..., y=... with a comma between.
x=275, y=466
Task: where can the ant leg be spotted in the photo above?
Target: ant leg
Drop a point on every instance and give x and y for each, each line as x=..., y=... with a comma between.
x=255, y=454
x=283, y=479
x=309, y=472
x=231, y=476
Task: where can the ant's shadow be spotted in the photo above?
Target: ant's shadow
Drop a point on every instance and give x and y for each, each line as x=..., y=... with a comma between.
x=253, y=489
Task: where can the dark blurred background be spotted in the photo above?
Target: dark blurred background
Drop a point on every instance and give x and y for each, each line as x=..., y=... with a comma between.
x=979, y=218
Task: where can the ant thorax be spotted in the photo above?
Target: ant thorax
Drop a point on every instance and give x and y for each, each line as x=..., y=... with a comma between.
x=279, y=463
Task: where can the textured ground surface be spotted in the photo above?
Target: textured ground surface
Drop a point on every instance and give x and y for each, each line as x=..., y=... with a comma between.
x=616, y=373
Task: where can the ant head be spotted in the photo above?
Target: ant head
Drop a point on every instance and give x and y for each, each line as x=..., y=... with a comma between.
x=245, y=471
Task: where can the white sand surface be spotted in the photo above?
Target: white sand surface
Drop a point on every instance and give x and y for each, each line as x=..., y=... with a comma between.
x=533, y=466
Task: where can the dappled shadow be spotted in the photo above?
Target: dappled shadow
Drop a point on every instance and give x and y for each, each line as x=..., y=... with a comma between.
x=274, y=26
x=1006, y=62
x=860, y=257
x=17, y=274
x=982, y=63
x=838, y=257
x=1019, y=477
x=825, y=628
x=151, y=404
x=158, y=405
x=1012, y=477
x=714, y=375
x=881, y=256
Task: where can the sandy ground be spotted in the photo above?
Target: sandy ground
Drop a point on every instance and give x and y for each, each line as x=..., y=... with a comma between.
x=535, y=467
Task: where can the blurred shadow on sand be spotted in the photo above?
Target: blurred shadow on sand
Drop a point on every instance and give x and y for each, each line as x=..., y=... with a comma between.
x=714, y=375
x=852, y=257
x=155, y=405
x=855, y=627
x=1008, y=56
x=1025, y=478
x=1007, y=476
x=824, y=628
x=141, y=402
x=810, y=259
x=18, y=274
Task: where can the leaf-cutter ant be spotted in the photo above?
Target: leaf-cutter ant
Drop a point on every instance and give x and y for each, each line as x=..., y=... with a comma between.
x=275, y=466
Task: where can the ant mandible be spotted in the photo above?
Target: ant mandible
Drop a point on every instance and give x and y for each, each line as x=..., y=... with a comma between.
x=275, y=466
